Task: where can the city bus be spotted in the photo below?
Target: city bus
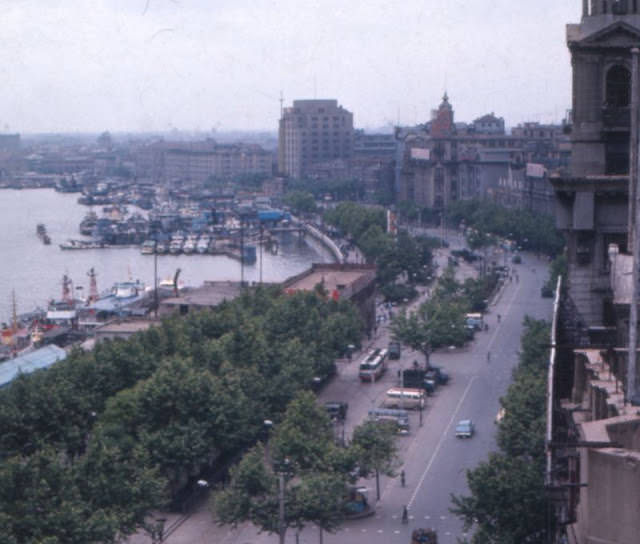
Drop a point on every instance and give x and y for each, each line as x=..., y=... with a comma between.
x=373, y=366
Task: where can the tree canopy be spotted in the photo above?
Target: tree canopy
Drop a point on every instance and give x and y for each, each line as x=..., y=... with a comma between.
x=507, y=501
x=121, y=430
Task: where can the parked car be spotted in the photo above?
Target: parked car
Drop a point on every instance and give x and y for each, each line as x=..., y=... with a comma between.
x=464, y=428
x=337, y=409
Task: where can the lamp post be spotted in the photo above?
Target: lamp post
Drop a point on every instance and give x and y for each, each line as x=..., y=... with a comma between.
x=281, y=472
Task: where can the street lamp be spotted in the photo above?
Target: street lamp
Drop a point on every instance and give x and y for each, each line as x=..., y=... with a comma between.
x=281, y=471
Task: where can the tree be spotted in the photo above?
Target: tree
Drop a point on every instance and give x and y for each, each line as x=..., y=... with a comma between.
x=303, y=467
x=377, y=449
x=507, y=500
x=300, y=201
x=438, y=322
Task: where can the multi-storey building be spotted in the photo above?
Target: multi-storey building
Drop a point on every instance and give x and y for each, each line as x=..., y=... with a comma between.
x=444, y=161
x=593, y=440
x=313, y=131
x=195, y=162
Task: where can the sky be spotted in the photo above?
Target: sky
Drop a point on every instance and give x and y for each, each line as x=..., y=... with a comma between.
x=159, y=65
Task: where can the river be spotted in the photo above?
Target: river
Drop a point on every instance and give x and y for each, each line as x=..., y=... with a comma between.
x=34, y=271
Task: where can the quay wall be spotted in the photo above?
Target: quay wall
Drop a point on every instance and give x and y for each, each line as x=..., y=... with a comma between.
x=324, y=240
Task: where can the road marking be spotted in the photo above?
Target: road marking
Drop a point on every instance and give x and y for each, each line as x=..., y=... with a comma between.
x=445, y=434
x=496, y=329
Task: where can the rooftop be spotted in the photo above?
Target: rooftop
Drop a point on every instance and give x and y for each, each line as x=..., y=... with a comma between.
x=29, y=362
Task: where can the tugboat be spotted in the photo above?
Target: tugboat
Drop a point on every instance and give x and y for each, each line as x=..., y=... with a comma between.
x=41, y=231
x=88, y=223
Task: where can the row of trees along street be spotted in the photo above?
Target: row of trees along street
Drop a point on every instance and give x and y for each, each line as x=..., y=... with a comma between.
x=507, y=500
x=402, y=261
x=301, y=475
x=92, y=445
x=440, y=320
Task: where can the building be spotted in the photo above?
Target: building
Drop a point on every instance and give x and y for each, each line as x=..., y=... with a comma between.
x=593, y=427
x=313, y=131
x=207, y=296
x=443, y=161
x=30, y=362
x=354, y=282
x=196, y=162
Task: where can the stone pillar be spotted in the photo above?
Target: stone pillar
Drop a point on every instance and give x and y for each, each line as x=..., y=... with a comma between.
x=585, y=8
x=633, y=151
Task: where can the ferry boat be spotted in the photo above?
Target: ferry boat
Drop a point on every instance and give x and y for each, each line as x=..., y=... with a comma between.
x=189, y=245
x=203, y=244
x=162, y=248
x=148, y=247
x=176, y=244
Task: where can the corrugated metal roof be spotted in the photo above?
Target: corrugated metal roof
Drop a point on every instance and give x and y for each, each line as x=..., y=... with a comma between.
x=29, y=362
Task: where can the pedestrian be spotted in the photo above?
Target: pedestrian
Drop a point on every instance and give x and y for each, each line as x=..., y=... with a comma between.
x=488, y=356
x=402, y=481
x=499, y=317
x=405, y=514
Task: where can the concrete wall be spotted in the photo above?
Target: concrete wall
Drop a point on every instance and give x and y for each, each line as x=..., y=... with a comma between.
x=614, y=501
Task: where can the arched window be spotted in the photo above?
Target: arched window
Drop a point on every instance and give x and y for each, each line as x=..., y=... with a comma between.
x=618, y=87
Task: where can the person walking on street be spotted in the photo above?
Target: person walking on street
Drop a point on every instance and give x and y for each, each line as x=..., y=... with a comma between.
x=405, y=514
x=488, y=356
x=402, y=480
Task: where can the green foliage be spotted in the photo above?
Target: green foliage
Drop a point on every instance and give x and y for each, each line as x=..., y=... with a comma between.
x=304, y=454
x=375, y=442
x=531, y=231
x=400, y=261
x=120, y=430
x=300, y=201
x=507, y=501
x=438, y=322
x=559, y=267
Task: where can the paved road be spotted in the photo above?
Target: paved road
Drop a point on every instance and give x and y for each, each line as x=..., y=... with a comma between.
x=434, y=460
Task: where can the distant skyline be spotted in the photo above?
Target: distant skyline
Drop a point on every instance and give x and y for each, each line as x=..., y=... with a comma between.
x=158, y=65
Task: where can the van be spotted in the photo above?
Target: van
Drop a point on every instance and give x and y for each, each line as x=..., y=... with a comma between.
x=400, y=417
x=404, y=398
x=474, y=321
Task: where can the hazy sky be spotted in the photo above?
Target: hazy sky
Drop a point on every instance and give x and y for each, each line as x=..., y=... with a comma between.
x=93, y=65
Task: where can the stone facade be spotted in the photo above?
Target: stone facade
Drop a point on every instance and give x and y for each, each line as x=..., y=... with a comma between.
x=443, y=161
x=313, y=131
x=592, y=200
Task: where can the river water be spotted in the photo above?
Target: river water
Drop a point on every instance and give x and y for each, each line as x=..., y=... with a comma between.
x=34, y=271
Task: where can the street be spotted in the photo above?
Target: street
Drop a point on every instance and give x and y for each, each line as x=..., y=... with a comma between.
x=434, y=460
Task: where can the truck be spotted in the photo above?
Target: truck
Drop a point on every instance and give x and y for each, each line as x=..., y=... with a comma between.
x=394, y=349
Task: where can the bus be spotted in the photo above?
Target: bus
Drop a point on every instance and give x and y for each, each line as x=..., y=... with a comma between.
x=404, y=398
x=373, y=366
x=399, y=417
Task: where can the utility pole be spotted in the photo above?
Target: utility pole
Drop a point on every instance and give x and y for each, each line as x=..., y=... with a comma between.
x=281, y=526
x=634, y=229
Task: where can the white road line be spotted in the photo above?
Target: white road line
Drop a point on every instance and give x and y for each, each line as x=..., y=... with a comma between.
x=496, y=329
x=445, y=434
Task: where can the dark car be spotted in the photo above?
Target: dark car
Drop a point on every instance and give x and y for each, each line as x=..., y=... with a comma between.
x=337, y=409
x=441, y=376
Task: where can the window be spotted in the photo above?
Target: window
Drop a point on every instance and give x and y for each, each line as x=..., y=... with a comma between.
x=618, y=87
